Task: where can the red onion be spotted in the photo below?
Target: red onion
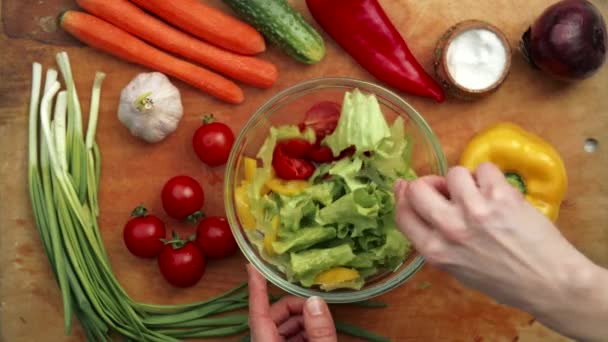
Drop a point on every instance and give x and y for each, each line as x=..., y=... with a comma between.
x=568, y=41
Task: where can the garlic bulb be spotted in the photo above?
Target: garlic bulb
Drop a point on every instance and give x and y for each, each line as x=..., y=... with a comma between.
x=150, y=107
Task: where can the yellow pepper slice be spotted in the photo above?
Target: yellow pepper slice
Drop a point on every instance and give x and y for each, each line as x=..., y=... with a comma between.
x=287, y=188
x=531, y=164
x=336, y=276
x=243, y=208
x=271, y=236
x=249, y=165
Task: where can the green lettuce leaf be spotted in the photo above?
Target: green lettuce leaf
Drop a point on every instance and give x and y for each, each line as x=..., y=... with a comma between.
x=392, y=158
x=361, y=124
x=358, y=208
x=294, y=210
x=323, y=193
x=348, y=169
x=309, y=263
x=304, y=238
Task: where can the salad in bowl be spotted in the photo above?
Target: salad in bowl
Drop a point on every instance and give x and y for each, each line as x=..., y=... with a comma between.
x=312, y=202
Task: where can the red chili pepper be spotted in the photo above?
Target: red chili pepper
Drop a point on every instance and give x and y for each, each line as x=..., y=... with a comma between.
x=362, y=29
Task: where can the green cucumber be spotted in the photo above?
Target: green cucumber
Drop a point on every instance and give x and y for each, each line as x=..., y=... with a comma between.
x=283, y=26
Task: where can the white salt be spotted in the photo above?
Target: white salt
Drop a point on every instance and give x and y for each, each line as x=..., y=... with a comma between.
x=476, y=59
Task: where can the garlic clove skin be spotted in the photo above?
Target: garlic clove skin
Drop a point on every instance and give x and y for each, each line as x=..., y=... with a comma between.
x=150, y=107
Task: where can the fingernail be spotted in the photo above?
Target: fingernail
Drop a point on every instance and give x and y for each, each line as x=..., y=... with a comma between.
x=314, y=305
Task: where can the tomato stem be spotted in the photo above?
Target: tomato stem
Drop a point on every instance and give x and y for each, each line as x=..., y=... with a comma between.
x=195, y=217
x=139, y=211
x=208, y=118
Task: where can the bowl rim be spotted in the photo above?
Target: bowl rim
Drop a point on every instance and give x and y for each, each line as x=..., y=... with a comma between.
x=268, y=272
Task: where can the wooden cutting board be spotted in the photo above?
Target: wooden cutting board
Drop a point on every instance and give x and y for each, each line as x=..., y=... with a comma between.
x=134, y=172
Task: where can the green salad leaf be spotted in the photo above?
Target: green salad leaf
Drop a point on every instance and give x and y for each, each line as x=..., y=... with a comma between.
x=307, y=264
x=303, y=239
x=392, y=158
x=361, y=124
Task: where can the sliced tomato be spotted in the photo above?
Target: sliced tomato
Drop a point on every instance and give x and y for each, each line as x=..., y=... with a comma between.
x=295, y=147
x=322, y=118
x=320, y=155
x=290, y=168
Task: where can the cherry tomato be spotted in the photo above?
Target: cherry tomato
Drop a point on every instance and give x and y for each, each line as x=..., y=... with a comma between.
x=215, y=238
x=182, y=196
x=182, y=266
x=295, y=147
x=212, y=142
x=289, y=168
x=143, y=233
x=322, y=118
x=320, y=155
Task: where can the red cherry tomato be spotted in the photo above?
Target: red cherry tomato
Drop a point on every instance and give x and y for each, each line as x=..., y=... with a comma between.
x=289, y=168
x=215, y=238
x=212, y=143
x=143, y=233
x=182, y=266
x=322, y=118
x=320, y=155
x=295, y=147
x=182, y=196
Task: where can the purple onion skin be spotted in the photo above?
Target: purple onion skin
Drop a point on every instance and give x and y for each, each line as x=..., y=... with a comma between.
x=568, y=40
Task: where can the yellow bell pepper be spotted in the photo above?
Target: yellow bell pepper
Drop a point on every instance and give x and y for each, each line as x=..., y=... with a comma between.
x=530, y=164
x=243, y=209
x=336, y=276
x=287, y=188
x=249, y=164
x=271, y=236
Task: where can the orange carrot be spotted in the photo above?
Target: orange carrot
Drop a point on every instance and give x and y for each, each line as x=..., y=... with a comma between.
x=113, y=40
x=134, y=20
x=208, y=23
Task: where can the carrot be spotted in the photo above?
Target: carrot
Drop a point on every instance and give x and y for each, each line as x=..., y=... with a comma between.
x=113, y=40
x=208, y=23
x=134, y=20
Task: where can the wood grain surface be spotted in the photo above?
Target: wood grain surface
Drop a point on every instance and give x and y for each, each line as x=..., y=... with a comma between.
x=134, y=172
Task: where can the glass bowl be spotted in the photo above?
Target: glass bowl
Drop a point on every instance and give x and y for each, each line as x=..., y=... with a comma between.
x=289, y=107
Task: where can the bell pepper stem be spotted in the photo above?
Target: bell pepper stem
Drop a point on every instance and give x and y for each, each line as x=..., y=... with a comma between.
x=517, y=181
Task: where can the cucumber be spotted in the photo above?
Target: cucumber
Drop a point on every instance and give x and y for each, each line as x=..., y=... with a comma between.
x=283, y=26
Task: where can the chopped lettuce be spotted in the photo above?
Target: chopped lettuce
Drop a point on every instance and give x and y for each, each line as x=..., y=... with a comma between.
x=309, y=263
x=392, y=158
x=348, y=169
x=361, y=124
x=357, y=208
x=294, y=210
x=303, y=239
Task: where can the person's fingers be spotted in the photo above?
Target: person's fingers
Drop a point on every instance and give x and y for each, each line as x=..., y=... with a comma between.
x=318, y=323
x=292, y=326
x=301, y=337
x=437, y=182
x=489, y=176
x=408, y=221
x=428, y=203
x=462, y=187
x=262, y=327
x=286, y=307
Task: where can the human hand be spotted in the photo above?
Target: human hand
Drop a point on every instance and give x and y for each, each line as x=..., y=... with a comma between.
x=481, y=230
x=290, y=319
